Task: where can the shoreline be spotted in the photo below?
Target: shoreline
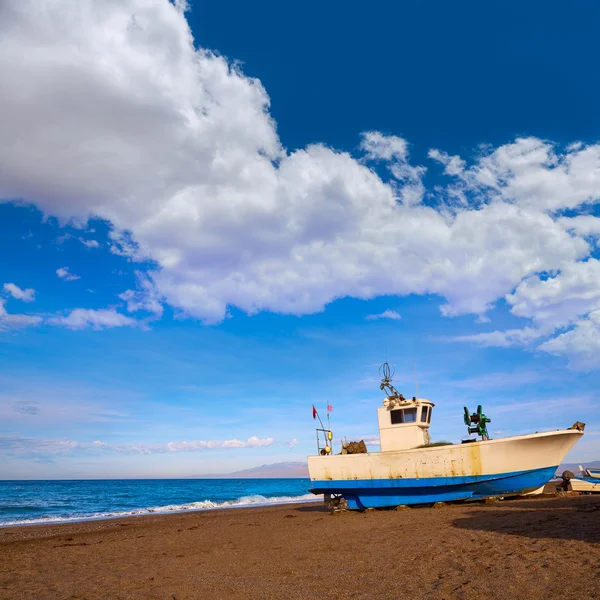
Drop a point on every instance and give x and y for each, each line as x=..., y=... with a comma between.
x=148, y=512
x=518, y=548
x=156, y=511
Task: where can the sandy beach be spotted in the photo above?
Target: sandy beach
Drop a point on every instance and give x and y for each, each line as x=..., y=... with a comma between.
x=527, y=549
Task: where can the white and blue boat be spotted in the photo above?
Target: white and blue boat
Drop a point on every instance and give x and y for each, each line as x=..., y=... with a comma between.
x=409, y=470
x=587, y=482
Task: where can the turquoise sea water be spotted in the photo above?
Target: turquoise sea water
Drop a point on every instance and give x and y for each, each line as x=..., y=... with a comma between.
x=30, y=502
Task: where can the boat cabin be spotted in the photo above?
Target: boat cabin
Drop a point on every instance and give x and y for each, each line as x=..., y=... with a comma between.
x=403, y=423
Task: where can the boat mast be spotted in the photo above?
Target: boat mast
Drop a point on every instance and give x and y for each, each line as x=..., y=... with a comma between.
x=416, y=382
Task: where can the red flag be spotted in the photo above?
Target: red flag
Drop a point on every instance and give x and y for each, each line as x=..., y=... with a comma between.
x=329, y=408
x=314, y=412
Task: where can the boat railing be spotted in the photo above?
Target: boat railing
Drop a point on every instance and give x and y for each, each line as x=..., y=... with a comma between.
x=324, y=441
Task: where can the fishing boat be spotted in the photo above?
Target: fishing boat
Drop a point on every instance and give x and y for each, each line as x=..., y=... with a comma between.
x=588, y=481
x=410, y=470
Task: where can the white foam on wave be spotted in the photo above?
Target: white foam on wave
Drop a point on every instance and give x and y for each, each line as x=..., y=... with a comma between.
x=244, y=501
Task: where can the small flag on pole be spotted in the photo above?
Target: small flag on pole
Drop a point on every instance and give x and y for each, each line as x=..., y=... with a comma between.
x=314, y=412
x=329, y=408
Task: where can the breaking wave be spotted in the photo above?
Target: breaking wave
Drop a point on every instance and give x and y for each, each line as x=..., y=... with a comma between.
x=244, y=501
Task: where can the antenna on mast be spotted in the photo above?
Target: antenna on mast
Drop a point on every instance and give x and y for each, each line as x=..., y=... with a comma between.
x=387, y=373
x=416, y=381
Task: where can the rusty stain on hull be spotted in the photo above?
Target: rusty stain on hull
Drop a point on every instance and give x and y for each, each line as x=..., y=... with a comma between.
x=475, y=458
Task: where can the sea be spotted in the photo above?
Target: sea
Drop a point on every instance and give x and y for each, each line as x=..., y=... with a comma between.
x=34, y=502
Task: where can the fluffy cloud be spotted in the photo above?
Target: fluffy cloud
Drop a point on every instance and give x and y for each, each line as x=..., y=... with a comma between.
x=502, y=339
x=15, y=291
x=64, y=273
x=145, y=298
x=114, y=113
x=386, y=314
x=89, y=243
x=10, y=321
x=581, y=345
x=531, y=173
x=569, y=297
x=82, y=318
x=35, y=447
x=252, y=442
x=553, y=302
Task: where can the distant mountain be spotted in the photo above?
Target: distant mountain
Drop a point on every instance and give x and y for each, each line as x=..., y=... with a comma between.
x=282, y=470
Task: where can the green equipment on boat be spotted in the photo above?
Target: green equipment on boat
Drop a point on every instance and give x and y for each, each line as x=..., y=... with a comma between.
x=479, y=420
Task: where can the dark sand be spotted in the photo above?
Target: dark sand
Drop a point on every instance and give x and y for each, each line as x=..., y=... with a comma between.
x=527, y=549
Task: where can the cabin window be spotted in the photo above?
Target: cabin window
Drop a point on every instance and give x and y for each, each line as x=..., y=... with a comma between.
x=407, y=415
x=424, y=415
x=397, y=417
x=410, y=415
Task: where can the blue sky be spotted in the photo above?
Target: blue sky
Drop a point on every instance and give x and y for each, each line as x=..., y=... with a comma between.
x=202, y=239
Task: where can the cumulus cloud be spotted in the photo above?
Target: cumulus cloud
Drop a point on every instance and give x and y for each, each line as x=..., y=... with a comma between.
x=535, y=175
x=10, y=321
x=145, y=298
x=27, y=295
x=386, y=314
x=34, y=447
x=553, y=302
x=64, y=273
x=89, y=243
x=581, y=345
x=502, y=339
x=584, y=225
x=252, y=442
x=453, y=165
x=176, y=149
x=384, y=147
x=570, y=297
x=82, y=318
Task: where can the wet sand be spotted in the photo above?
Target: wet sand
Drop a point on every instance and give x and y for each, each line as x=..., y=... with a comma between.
x=527, y=549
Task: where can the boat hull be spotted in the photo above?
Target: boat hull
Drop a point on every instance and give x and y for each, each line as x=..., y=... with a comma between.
x=477, y=470
x=584, y=484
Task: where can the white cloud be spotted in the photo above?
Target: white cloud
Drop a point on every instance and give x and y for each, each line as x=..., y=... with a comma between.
x=33, y=447
x=146, y=297
x=584, y=225
x=553, y=303
x=252, y=442
x=394, y=151
x=531, y=173
x=581, y=345
x=502, y=339
x=10, y=321
x=175, y=147
x=453, y=165
x=64, y=273
x=384, y=147
x=27, y=295
x=81, y=318
x=386, y=314
x=89, y=243
x=557, y=301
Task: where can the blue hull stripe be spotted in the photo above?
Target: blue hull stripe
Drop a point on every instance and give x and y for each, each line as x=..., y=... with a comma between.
x=589, y=479
x=379, y=493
